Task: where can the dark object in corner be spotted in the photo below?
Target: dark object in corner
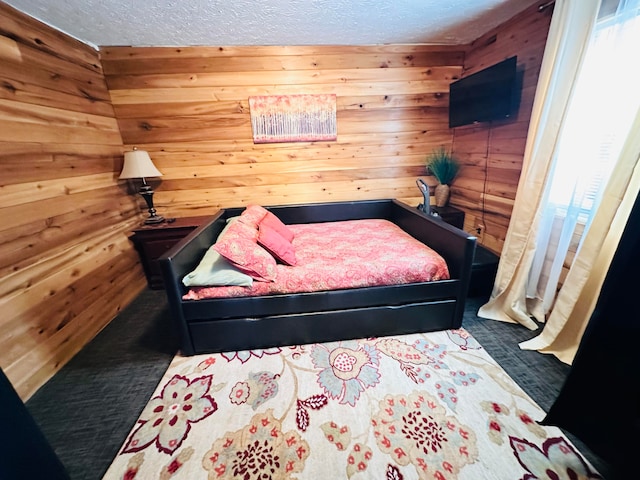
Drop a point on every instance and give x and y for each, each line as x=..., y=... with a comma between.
x=425, y=206
x=151, y=241
x=483, y=272
x=600, y=400
x=25, y=453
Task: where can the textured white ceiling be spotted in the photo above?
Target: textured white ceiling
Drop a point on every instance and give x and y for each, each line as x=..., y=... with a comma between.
x=271, y=22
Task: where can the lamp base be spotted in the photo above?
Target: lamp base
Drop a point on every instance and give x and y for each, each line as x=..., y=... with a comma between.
x=154, y=220
x=147, y=194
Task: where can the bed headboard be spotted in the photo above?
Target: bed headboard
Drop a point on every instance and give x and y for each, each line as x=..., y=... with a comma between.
x=328, y=212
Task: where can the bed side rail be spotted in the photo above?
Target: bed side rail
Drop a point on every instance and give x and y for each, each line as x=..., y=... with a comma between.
x=456, y=246
x=181, y=259
x=184, y=256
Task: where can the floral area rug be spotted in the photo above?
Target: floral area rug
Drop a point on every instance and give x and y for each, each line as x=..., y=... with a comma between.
x=427, y=406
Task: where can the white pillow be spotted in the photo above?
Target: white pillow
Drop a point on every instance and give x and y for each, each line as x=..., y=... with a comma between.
x=215, y=270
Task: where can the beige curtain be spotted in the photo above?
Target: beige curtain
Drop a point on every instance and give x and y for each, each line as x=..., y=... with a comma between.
x=578, y=296
x=576, y=300
x=569, y=34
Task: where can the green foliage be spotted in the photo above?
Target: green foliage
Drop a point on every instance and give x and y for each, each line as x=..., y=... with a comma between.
x=443, y=166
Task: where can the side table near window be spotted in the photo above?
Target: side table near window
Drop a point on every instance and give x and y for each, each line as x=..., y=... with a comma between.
x=152, y=241
x=450, y=215
x=485, y=262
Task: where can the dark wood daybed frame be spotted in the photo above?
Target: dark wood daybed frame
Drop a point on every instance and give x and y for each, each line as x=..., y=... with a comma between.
x=232, y=324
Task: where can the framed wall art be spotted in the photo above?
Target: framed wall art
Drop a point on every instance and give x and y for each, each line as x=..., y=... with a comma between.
x=293, y=118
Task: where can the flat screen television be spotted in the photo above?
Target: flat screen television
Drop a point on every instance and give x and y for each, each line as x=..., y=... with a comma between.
x=489, y=94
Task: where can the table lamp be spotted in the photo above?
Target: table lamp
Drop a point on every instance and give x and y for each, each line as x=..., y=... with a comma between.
x=138, y=164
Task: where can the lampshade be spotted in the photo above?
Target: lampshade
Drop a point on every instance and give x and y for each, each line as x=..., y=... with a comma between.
x=138, y=164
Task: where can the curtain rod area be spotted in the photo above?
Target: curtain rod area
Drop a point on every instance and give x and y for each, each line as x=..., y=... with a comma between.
x=546, y=5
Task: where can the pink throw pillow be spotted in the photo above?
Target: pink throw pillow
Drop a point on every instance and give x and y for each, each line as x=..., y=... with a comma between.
x=273, y=222
x=253, y=215
x=239, y=246
x=281, y=249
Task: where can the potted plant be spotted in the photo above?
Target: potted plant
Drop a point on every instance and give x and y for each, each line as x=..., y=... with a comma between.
x=442, y=165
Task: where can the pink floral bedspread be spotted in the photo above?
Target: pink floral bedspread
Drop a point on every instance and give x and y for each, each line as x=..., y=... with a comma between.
x=348, y=254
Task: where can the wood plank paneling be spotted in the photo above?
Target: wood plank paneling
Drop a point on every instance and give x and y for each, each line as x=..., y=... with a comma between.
x=67, y=113
x=66, y=263
x=189, y=108
x=166, y=60
x=27, y=32
x=492, y=153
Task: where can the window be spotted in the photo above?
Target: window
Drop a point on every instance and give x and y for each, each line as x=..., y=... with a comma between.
x=602, y=108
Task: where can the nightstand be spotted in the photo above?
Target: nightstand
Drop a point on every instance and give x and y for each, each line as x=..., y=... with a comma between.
x=483, y=272
x=451, y=215
x=151, y=241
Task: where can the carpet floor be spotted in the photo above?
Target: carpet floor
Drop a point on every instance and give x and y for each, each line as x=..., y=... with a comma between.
x=88, y=408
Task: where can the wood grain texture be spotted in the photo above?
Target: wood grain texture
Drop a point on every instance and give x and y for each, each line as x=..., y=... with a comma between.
x=67, y=113
x=492, y=153
x=189, y=108
x=66, y=263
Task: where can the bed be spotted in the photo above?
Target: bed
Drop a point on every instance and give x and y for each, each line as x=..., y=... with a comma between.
x=237, y=323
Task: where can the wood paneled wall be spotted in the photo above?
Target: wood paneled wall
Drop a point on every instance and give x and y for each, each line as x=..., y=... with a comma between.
x=189, y=108
x=492, y=153
x=66, y=263
x=67, y=114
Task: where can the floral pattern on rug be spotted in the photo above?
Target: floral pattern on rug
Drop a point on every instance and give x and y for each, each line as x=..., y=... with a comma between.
x=416, y=430
x=422, y=406
x=259, y=450
x=555, y=459
x=346, y=370
x=167, y=418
